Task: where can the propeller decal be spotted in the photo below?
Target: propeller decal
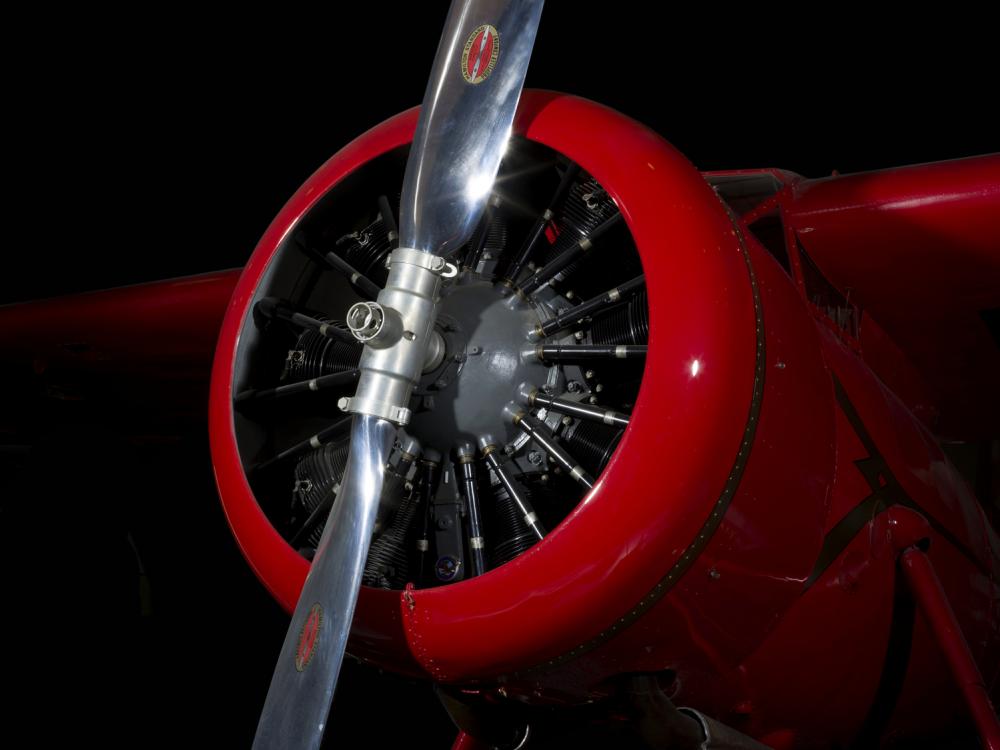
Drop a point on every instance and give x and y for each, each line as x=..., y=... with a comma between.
x=308, y=637
x=480, y=54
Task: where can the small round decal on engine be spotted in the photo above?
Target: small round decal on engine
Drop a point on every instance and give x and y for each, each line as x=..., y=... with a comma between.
x=308, y=637
x=480, y=54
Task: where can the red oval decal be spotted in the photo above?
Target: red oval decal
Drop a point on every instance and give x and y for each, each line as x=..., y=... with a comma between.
x=480, y=54
x=308, y=637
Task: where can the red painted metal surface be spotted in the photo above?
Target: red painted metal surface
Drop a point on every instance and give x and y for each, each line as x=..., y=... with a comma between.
x=919, y=248
x=934, y=606
x=155, y=328
x=842, y=624
x=701, y=549
x=467, y=742
x=145, y=349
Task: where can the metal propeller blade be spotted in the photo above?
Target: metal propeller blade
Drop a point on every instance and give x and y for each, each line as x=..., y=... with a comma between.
x=461, y=137
x=465, y=120
x=298, y=700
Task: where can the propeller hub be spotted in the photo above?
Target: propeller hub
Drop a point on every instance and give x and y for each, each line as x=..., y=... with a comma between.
x=397, y=332
x=464, y=396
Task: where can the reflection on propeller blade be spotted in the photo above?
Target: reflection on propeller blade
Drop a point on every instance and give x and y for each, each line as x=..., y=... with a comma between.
x=464, y=126
x=306, y=674
x=465, y=120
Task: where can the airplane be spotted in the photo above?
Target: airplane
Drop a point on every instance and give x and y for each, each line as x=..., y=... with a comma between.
x=850, y=457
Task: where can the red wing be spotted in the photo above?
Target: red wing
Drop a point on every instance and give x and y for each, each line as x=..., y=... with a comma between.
x=148, y=345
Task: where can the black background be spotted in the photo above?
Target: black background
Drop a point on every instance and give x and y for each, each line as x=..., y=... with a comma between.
x=167, y=148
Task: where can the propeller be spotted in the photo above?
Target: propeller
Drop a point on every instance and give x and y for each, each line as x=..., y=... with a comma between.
x=461, y=136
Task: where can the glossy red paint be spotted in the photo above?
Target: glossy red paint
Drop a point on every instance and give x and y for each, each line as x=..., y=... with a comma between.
x=143, y=349
x=856, y=592
x=919, y=249
x=895, y=369
x=467, y=742
x=935, y=607
x=699, y=550
x=845, y=660
x=159, y=328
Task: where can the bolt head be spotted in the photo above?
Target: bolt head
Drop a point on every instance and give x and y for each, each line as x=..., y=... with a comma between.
x=446, y=568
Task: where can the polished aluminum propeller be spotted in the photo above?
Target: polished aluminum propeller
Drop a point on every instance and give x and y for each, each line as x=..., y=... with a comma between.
x=461, y=136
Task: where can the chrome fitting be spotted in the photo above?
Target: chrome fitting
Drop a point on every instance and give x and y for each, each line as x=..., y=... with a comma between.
x=525, y=395
x=372, y=324
x=398, y=327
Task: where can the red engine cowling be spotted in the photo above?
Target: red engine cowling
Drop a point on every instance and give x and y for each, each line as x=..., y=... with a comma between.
x=699, y=551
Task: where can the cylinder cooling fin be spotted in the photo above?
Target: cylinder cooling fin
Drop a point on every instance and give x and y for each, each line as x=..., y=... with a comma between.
x=585, y=285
